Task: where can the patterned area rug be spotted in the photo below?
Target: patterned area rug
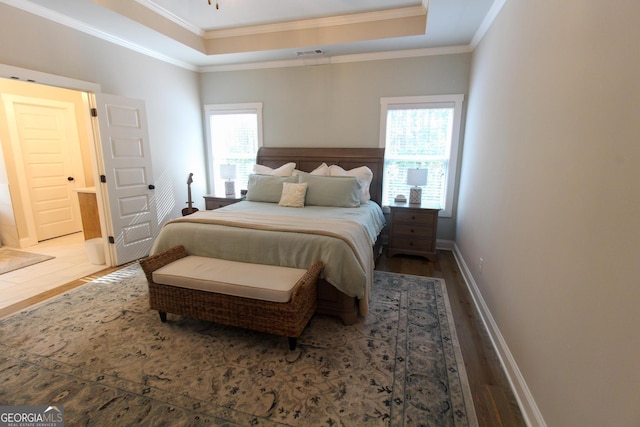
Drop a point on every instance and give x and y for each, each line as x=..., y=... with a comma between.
x=105, y=357
x=11, y=260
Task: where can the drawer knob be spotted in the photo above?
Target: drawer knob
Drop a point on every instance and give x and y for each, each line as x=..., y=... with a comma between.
x=412, y=230
x=413, y=217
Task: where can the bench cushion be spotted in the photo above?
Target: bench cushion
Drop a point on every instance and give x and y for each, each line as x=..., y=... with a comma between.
x=241, y=279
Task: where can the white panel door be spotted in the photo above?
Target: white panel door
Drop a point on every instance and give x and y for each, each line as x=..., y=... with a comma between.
x=45, y=138
x=130, y=202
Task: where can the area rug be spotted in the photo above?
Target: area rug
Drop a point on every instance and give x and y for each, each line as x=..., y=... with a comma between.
x=11, y=260
x=102, y=355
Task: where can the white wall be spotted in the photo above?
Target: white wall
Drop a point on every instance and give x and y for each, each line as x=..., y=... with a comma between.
x=550, y=199
x=334, y=104
x=337, y=105
x=172, y=94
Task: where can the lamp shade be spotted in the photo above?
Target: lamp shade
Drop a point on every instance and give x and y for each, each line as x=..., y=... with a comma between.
x=227, y=171
x=417, y=177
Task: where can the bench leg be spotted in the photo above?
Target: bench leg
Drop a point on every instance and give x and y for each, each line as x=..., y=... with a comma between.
x=292, y=343
x=163, y=316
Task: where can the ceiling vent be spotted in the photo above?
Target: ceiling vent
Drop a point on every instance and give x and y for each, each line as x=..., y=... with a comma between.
x=307, y=53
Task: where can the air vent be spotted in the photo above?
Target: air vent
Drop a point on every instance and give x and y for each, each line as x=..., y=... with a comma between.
x=315, y=52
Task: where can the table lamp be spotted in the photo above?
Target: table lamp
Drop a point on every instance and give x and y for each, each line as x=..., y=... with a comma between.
x=416, y=178
x=228, y=172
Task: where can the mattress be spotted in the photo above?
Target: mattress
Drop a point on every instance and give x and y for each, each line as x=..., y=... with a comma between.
x=265, y=233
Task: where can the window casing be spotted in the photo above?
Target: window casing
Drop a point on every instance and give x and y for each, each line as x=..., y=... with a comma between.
x=234, y=135
x=421, y=132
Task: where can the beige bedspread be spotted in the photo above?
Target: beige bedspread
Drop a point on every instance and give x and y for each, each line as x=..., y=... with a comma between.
x=290, y=239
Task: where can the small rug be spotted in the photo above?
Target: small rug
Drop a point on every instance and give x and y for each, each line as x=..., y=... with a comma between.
x=11, y=260
x=101, y=353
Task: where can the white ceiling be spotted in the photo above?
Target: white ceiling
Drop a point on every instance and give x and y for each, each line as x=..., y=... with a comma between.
x=451, y=25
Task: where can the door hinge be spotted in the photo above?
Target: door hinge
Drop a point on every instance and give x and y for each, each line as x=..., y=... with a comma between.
x=112, y=240
x=103, y=178
x=94, y=112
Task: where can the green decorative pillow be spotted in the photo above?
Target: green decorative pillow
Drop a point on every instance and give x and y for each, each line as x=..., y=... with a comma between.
x=267, y=188
x=336, y=191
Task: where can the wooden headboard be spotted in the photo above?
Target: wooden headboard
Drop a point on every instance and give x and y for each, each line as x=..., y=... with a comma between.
x=307, y=159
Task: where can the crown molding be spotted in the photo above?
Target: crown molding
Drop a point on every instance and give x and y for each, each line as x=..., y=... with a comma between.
x=61, y=19
x=298, y=62
x=495, y=9
x=250, y=30
x=172, y=17
x=331, y=21
x=390, y=23
x=400, y=54
x=341, y=59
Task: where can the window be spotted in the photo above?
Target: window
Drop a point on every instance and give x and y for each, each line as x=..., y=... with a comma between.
x=234, y=136
x=421, y=132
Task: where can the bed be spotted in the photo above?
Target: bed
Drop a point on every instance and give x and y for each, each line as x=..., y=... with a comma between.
x=263, y=232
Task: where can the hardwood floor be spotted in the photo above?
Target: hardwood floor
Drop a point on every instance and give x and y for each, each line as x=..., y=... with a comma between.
x=45, y=295
x=494, y=400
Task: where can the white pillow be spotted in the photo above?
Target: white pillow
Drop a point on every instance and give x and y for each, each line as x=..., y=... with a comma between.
x=293, y=194
x=323, y=169
x=364, y=175
x=284, y=170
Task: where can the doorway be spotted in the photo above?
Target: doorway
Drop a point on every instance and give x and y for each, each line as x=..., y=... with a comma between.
x=115, y=154
x=46, y=142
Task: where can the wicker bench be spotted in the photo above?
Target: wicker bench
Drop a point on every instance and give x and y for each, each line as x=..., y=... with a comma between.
x=198, y=293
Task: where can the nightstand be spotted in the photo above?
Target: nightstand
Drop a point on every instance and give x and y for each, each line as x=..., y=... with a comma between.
x=412, y=230
x=213, y=202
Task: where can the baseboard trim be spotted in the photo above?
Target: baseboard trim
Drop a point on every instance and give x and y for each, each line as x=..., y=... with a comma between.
x=445, y=245
x=530, y=411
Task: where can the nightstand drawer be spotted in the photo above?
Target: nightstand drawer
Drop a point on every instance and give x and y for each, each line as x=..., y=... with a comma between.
x=413, y=230
x=412, y=244
x=421, y=217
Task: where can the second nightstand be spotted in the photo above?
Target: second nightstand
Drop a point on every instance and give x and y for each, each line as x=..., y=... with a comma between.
x=412, y=230
x=213, y=202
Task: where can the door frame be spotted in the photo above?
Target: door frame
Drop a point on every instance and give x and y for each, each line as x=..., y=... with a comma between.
x=86, y=89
